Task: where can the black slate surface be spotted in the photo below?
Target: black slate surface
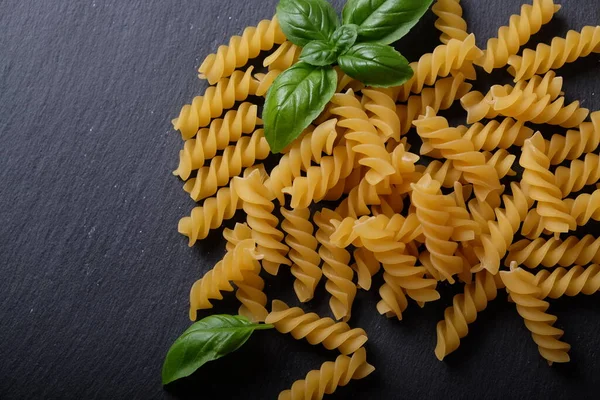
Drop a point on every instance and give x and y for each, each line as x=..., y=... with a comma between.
x=94, y=277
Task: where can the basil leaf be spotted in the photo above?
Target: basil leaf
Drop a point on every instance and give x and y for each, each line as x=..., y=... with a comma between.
x=384, y=21
x=344, y=37
x=207, y=340
x=303, y=21
x=294, y=100
x=376, y=65
x=319, y=53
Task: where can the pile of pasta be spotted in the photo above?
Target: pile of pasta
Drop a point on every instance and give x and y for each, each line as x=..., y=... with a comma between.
x=448, y=212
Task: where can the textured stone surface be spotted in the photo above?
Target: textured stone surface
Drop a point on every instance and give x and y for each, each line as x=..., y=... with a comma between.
x=94, y=277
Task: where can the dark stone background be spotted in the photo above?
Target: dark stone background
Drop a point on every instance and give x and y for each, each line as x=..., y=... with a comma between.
x=94, y=277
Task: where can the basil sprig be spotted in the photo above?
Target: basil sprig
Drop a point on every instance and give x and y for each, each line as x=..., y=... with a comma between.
x=206, y=340
x=358, y=46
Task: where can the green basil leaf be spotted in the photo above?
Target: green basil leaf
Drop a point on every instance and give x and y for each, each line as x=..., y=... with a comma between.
x=384, y=21
x=207, y=340
x=303, y=21
x=376, y=65
x=319, y=53
x=344, y=37
x=294, y=100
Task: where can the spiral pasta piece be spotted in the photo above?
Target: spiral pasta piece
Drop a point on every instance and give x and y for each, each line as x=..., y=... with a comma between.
x=319, y=180
x=243, y=154
x=366, y=265
x=215, y=100
x=440, y=97
x=316, y=330
x=363, y=136
x=285, y=56
x=538, y=110
x=264, y=81
x=534, y=225
x=250, y=287
x=576, y=142
x=560, y=52
x=403, y=272
x=450, y=20
x=302, y=152
x=502, y=161
x=528, y=297
x=210, y=140
x=241, y=49
x=579, y=174
x=393, y=299
x=214, y=211
x=496, y=134
x=431, y=210
x=303, y=246
x=585, y=207
x=464, y=310
x=243, y=257
x=382, y=108
x=259, y=209
x=555, y=252
x=335, y=267
x=569, y=282
x=361, y=197
x=502, y=230
x=542, y=186
x=329, y=377
x=443, y=172
x=518, y=32
x=444, y=60
x=452, y=145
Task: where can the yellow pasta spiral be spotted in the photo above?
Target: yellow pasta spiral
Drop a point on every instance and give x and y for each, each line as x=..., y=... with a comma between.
x=502, y=230
x=210, y=140
x=534, y=225
x=258, y=206
x=538, y=110
x=363, y=136
x=404, y=272
x=560, y=52
x=214, y=211
x=576, y=142
x=464, y=310
x=382, y=106
x=242, y=258
x=443, y=172
x=569, y=282
x=329, y=377
x=335, y=267
x=250, y=288
x=241, y=49
x=450, y=142
x=496, y=134
x=382, y=228
x=243, y=154
x=528, y=297
x=444, y=60
x=542, y=186
x=555, y=252
x=502, y=161
x=366, y=265
x=285, y=56
x=450, y=21
x=518, y=32
x=440, y=97
x=264, y=81
x=303, y=246
x=300, y=155
x=393, y=299
x=320, y=179
x=431, y=211
x=216, y=99
x=316, y=330
x=585, y=207
x=579, y=174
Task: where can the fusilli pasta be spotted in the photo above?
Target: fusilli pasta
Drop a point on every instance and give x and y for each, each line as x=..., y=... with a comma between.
x=569, y=282
x=555, y=252
x=450, y=21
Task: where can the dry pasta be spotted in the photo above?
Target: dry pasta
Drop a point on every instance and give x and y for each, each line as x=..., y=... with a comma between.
x=332, y=335
x=450, y=21
x=449, y=210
